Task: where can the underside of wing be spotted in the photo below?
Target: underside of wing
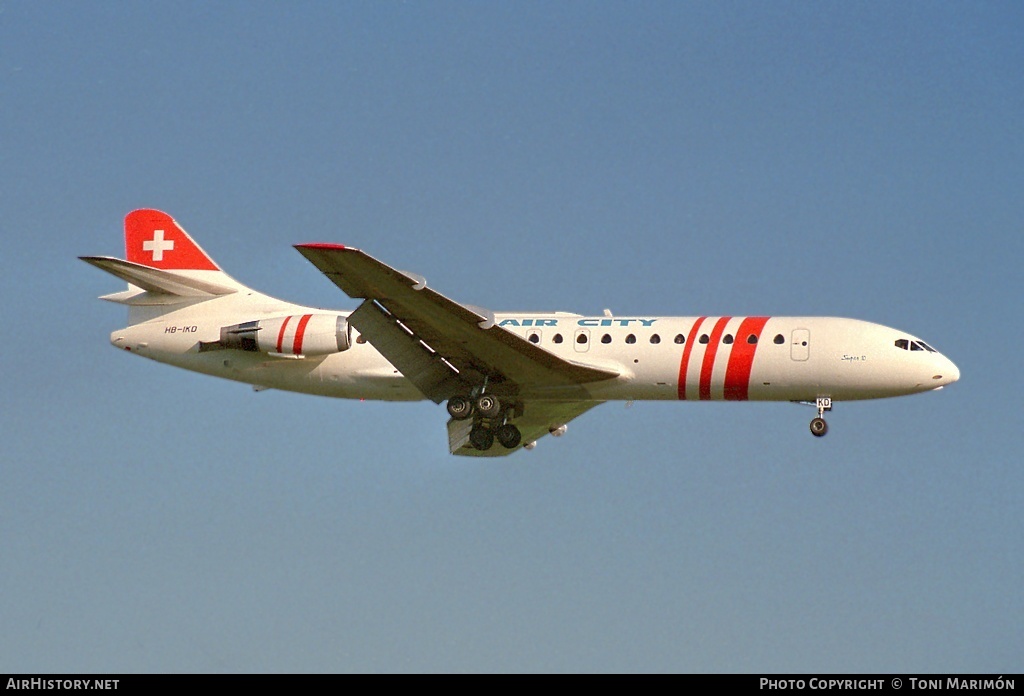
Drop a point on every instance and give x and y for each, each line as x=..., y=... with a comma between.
x=443, y=347
x=539, y=418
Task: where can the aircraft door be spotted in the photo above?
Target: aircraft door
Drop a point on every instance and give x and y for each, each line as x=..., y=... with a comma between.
x=582, y=340
x=800, y=345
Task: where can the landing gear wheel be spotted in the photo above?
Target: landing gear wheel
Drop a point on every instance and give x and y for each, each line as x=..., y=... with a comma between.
x=481, y=438
x=460, y=408
x=488, y=406
x=819, y=427
x=509, y=436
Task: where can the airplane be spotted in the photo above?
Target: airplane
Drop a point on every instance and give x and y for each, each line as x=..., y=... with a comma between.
x=507, y=378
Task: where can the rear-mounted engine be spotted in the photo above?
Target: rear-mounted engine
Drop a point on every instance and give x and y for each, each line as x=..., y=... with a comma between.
x=293, y=336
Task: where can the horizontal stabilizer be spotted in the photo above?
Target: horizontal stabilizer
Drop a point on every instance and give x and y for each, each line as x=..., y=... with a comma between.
x=157, y=281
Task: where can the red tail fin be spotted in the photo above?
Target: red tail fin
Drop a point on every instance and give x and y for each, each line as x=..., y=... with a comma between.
x=154, y=239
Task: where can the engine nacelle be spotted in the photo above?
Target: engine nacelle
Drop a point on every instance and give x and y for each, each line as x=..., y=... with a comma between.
x=293, y=336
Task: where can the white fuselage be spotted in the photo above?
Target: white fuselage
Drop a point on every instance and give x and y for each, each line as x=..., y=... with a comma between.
x=664, y=358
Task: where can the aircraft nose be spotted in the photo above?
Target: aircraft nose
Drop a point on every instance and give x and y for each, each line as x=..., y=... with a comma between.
x=953, y=370
x=947, y=372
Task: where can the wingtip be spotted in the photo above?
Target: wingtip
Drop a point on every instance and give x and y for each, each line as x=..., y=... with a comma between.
x=324, y=246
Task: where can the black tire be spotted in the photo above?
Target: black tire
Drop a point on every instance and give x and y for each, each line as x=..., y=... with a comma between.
x=481, y=438
x=488, y=406
x=509, y=436
x=460, y=408
x=819, y=427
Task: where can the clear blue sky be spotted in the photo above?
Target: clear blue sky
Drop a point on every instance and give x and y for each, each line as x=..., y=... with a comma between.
x=858, y=159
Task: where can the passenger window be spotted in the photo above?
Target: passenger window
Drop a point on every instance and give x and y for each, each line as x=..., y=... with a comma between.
x=779, y=340
x=581, y=339
x=902, y=343
x=704, y=339
x=360, y=339
x=680, y=339
x=534, y=337
x=557, y=338
x=727, y=339
x=752, y=338
x=606, y=339
x=630, y=338
x=655, y=338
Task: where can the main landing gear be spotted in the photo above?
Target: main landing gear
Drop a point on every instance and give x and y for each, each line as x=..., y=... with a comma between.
x=491, y=421
x=818, y=425
x=460, y=408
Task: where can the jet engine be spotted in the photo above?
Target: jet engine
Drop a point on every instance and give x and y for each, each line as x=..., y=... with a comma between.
x=293, y=336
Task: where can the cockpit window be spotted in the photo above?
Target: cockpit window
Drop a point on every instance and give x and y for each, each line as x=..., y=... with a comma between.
x=907, y=344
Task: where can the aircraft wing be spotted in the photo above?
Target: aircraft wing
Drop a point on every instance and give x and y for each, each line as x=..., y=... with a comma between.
x=539, y=418
x=443, y=347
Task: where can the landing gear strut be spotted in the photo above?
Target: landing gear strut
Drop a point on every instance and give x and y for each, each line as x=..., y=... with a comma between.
x=818, y=426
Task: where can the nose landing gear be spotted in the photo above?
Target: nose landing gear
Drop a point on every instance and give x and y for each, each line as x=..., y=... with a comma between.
x=818, y=425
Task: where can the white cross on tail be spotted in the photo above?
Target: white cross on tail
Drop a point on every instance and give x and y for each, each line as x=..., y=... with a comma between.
x=158, y=245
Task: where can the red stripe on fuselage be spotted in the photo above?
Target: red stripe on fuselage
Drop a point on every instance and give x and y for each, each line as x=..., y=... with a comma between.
x=280, y=334
x=741, y=359
x=300, y=332
x=709, y=358
x=685, y=363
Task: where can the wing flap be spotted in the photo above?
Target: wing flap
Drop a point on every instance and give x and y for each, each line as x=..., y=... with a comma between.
x=435, y=378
